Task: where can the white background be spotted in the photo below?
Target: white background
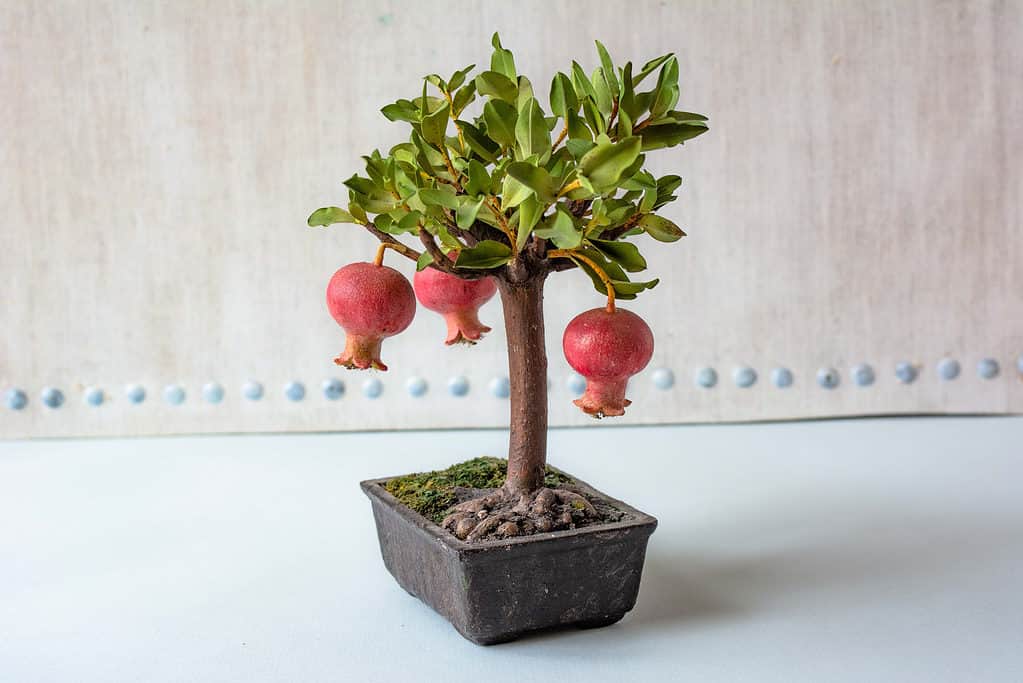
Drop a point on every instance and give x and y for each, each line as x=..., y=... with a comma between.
x=856, y=201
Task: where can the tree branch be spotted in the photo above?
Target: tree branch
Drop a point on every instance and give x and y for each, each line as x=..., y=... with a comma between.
x=407, y=252
x=442, y=263
x=615, y=233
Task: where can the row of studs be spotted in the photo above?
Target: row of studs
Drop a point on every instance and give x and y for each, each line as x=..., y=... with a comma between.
x=829, y=378
x=174, y=394
x=663, y=378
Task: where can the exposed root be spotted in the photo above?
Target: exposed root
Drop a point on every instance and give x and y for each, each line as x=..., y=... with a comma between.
x=499, y=514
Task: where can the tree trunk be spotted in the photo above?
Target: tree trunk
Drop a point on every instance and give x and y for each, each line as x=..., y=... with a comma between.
x=527, y=374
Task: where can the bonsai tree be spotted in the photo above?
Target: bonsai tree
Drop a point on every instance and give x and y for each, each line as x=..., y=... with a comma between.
x=499, y=199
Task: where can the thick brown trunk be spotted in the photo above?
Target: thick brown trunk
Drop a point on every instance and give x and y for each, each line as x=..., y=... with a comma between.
x=527, y=373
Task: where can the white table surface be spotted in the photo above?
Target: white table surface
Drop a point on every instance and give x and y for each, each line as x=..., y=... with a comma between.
x=857, y=550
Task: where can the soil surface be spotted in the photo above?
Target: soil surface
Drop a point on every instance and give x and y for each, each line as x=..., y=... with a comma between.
x=495, y=513
x=467, y=500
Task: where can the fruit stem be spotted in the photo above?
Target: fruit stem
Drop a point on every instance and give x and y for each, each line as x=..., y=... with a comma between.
x=576, y=256
x=379, y=260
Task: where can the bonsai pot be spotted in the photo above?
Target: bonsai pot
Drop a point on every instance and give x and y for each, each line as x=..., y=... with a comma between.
x=497, y=590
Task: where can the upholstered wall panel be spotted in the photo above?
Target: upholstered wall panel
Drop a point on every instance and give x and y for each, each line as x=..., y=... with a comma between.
x=857, y=202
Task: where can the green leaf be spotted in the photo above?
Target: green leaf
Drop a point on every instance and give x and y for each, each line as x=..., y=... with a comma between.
x=535, y=178
x=410, y=221
x=531, y=132
x=385, y=223
x=458, y=78
x=640, y=180
x=629, y=290
x=594, y=119
x=330, y=215
x=513, y=193
x=428, y=157
x=661, y=229
x=463, y=97
x=649, y=201
x=478, y=142
x=583, y=86
x=406, y=188
x=604, y=97
x=438, y=197
x=563, y=99
x=479, y=179
x=437, y=82
x=624, y=125
x=612, y=269
x=561, y=230
x=666, y=93
x=525, y=92
x=685, y=116
x=624, y=254
x=502, y=60
x=577, y=128
x=358, y=212
x=435, y=124
x=402, y=110
x=362, y=185
x=624, y=289
x=666, y=185
x=465, y=216
x=603, y=165
x=497, y=85
x=500, y=118
x=424, y=261
x=649, y=68
x=628, y=103
x=670, y=134
x=608, y=69
x=529, y=214
x=448, y=243
x=486, y=254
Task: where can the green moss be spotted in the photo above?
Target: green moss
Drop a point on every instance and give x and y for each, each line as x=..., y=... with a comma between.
x=431, y=494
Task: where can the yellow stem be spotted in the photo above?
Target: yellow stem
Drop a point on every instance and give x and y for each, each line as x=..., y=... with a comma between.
x=384, y=246
x=561, y=136
x=574, y=185
x=454, y=117
x=451, y=167
x=495, y=209
x=576, y=256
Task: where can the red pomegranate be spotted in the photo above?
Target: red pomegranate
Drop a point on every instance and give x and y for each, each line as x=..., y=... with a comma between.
x=370, y=302
x=457, y=300
x=607, y=347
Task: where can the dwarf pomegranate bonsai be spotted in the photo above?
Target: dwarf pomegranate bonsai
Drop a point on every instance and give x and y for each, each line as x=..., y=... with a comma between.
x=500, y=194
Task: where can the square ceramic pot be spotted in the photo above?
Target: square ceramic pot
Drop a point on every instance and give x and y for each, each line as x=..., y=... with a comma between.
x=495, y=591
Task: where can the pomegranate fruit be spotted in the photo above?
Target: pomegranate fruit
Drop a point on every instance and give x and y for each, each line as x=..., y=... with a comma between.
x=607, y=347
x=457, y=300
x=370, y=302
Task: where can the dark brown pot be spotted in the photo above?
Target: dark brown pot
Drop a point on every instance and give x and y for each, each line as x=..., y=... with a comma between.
x=495, y=591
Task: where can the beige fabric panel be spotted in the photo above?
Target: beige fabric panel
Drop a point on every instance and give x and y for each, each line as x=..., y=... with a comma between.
x=858, y=200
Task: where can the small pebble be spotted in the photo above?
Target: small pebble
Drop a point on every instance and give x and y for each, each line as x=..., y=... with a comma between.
x=464, y=527
x=508, y=529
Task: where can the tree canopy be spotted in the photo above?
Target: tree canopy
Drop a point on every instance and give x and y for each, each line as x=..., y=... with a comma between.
x=488, y=173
